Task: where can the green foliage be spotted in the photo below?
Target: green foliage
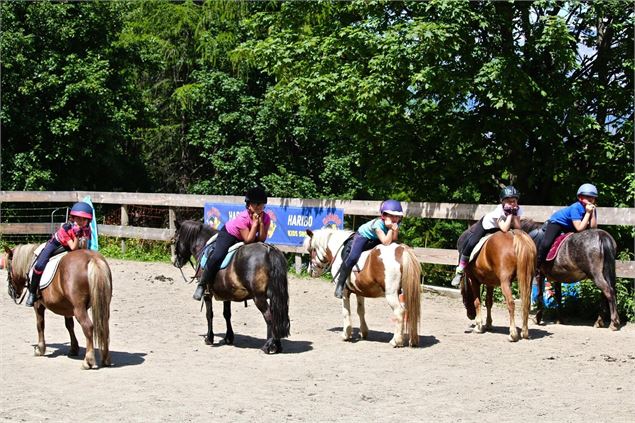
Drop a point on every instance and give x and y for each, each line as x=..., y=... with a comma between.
x=137, y=250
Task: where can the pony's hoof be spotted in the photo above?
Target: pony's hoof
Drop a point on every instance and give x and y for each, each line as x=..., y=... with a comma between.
x=513, y=338
x=38, y=351
x=614, y=327
x=228, y=341
x=86, y=366
x=208, y=341
x=396, y=344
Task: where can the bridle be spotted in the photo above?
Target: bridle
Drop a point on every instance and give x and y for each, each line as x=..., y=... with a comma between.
x=323, y=264
x=11, y=288
x=196, y=267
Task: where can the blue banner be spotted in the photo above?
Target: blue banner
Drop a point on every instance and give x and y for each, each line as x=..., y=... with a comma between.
x=288, y=224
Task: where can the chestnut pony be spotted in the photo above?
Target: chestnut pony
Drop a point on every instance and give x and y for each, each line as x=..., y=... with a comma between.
x=81, y=281
x=505, y=256
x=390, y=271
x=589, y=254
x=257, y=271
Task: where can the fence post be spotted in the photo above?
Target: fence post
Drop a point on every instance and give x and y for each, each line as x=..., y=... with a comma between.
x=124, y=222
x=298, y=263
x=171, y=219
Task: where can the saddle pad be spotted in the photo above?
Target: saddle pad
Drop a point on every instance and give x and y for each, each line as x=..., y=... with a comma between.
x=50, y=269
x=478, y=246
x=228, y=258
x=555, y=247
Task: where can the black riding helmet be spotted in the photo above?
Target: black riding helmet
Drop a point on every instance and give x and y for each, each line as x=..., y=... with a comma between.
x=256, y=195
x=509, y=192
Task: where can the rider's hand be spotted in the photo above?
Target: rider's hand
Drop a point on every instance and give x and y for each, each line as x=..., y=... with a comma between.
x=589, y=207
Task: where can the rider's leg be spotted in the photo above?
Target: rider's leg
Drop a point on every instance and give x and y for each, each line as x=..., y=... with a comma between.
x=476, y=233
x=38, y=269
x=358, y=246
x=34, y=284
x=551, y=232
x=223, y=242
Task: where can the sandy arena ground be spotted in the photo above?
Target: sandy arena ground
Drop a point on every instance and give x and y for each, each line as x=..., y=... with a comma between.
x=163, y=371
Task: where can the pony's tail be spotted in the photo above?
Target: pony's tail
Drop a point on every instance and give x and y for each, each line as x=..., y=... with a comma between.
x=410, y=283
x=278, y=294
x=525, y=250
x=609, y=252
x=100, y=282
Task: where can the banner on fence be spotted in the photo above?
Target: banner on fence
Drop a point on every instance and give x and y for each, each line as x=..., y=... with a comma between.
x=288, y=224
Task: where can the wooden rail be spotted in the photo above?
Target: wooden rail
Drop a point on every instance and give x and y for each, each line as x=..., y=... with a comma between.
x=609, y=215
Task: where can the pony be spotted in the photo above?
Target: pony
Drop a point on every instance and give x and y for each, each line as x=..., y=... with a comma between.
x=589, y=254
x=257, y=271
x=505, y=256
x=391, y=271
x=82, y=280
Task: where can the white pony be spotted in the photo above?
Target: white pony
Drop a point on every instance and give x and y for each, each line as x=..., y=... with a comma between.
x=391, y=270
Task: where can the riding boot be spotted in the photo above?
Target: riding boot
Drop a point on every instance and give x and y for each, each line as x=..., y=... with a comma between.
x=341, y=281
x=200, y=290
x=33, y=287
x=457, y=277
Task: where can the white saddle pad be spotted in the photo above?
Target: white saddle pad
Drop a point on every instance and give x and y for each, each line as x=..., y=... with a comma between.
x=478, y=246
x=50, y=269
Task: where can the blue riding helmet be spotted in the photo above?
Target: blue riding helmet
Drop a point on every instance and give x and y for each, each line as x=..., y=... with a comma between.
x=392, y=207
x=588, y=189
x=509, y=192
x=256, y=195
x=82, y=209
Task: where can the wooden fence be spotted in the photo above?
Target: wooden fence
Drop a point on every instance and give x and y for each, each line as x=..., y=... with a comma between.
x=609, y=215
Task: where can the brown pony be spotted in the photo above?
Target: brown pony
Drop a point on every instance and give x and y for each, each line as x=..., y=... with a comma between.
x=81, y=281
x=504, y=257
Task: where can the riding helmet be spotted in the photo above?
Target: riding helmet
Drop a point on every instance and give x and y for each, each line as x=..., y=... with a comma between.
x=509, y=192
x=588, y=189
x=392, y=207
x=82, y=209
x=256, y=195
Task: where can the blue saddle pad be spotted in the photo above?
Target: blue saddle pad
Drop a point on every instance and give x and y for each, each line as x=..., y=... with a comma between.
x=207, y=251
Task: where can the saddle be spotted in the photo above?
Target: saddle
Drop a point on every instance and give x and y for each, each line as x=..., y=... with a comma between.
x=539, y=233
x=555, y=247
x=209, y=249
x=51, y=266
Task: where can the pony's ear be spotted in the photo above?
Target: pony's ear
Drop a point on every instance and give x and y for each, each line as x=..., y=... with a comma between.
x=9, y=252
x=309, y=232
x=177, y=224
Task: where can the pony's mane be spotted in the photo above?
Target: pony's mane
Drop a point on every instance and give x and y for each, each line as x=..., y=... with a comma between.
x=321, y=237
x=23, y=258
x=191, y=229
x=529, y=225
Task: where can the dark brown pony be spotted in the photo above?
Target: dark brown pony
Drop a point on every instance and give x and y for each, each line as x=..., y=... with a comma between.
x=258, y=271
x=589, y=254
x=505, y=256
x=82, y=280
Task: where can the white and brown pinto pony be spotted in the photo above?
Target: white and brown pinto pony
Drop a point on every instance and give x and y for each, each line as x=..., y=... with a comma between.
x=386, y=271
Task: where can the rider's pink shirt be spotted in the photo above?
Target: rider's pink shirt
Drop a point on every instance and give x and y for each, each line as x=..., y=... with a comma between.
x=243, y=221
